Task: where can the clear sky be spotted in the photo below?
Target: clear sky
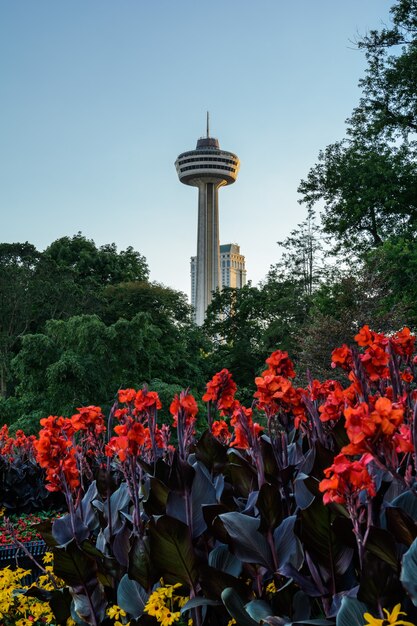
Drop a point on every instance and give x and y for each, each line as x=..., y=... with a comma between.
x=98, y=97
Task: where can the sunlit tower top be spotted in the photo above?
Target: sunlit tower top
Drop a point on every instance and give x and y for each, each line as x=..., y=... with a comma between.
x=208, y=168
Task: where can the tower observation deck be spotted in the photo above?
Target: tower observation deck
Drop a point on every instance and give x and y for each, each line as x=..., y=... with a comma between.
x=208, y=168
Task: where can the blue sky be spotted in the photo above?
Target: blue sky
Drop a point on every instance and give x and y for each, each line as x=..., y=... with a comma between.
x=98, y=97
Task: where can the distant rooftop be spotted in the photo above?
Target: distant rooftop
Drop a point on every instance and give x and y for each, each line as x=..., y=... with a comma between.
x=230, y=247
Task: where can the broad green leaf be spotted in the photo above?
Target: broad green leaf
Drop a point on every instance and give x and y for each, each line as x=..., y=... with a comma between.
x=131, y=597
x=314, y=528
x=139, y=562
x=249, y=545
x=401, y=525
x=172, y=551
x=288, y=547
x=74, y=566
x=381, y=543
x=202, y=492
x=408, y=575
x=199, y=601
x=270, y=507
x=258, y=609
x=236, y=608
x=222, y=559
x=408, y=502
x=351, y=613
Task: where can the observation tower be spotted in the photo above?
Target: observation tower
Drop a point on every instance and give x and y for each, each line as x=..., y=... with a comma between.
x=208, y=168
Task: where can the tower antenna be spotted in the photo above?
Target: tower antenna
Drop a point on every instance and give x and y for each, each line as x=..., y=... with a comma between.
x=208, y=124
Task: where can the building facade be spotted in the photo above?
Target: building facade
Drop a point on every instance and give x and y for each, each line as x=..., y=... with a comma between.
x=232, y=268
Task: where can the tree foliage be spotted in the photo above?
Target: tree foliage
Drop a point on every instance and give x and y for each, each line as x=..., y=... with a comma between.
x=367, y=182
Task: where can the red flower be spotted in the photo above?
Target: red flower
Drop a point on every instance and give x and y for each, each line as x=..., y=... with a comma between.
x=146, y=400
x=221, y=391
x=271, y=388
x=387, y=415
x=407, y=376
x=89, y=418
x=127, y=395
x=346, y=479
x=375, y=360
x=359, y=424
x=333, y=406
x=186, y=403
x=56, y=452
x=245, y=429
x=132, y=437
x=364, y=337
x=403, y=342
x=220, y=430
x=342, y=357
x=280, y=365
x=276, y=393
x=403, y=439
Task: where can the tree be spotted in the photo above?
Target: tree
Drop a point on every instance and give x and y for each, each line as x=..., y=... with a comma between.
x=302, y=259
x=368, y=181
x=125, y=299
x=17, y=288
x=388, y=106
x=65, y=280
x=369, y=191
x=235, y=322
x=97, y=266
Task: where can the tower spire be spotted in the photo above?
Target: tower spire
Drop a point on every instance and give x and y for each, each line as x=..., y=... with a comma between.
x=208, y=124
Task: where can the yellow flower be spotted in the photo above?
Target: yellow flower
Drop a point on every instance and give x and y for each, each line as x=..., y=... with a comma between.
x=271, y=588
x=115, y=612
x=391, y=619
x=48, y=558
x=231, y=622
x=168, y=617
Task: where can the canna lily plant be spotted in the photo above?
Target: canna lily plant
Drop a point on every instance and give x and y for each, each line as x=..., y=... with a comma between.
x=300, y=509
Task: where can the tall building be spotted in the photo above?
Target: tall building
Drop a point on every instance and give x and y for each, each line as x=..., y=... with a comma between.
x=233, y=269
x=208, y=168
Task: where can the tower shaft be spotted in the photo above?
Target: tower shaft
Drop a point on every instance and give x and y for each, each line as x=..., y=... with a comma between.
x=208, y=247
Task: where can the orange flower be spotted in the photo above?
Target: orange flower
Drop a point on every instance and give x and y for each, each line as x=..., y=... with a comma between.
x=271, y=388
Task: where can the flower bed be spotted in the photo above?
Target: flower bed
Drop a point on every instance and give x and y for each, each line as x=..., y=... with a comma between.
x=299, y=509
x=22, y=527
